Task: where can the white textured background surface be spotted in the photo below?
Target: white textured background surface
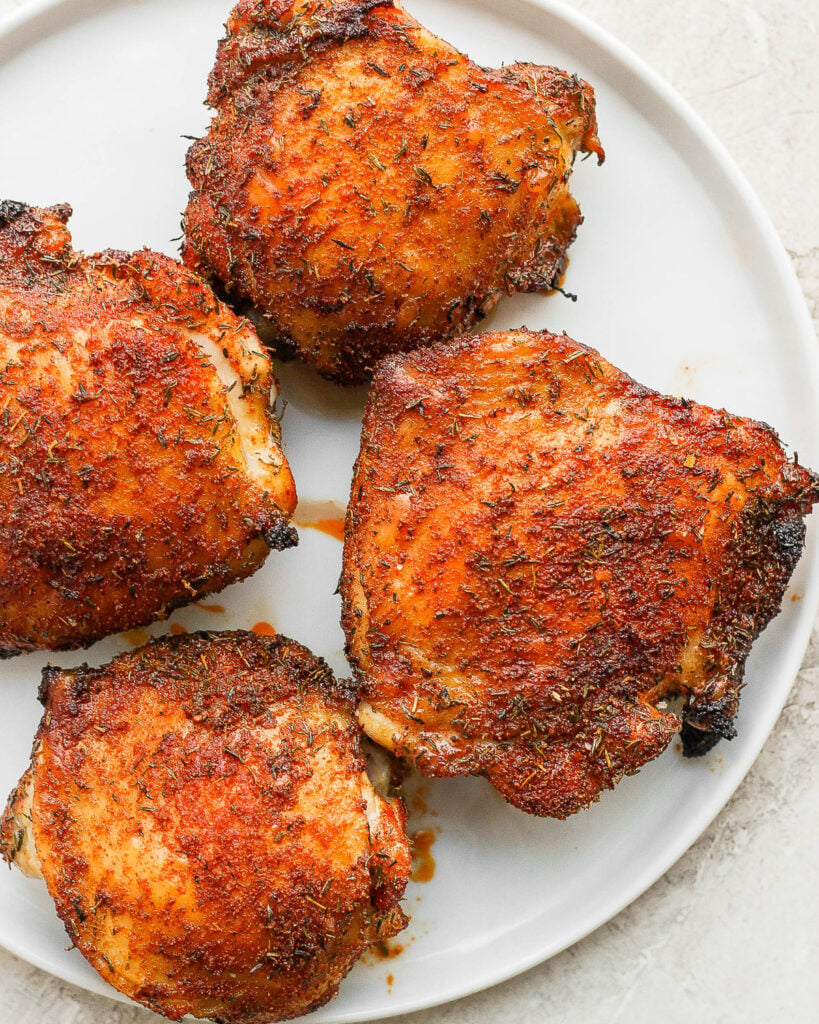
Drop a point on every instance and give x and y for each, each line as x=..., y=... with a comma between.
x=731, y=934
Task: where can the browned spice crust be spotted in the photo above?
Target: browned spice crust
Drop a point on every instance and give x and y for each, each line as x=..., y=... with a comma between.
x=540, y=550
x=124, y=485
x=368, y=188
x=205, y=828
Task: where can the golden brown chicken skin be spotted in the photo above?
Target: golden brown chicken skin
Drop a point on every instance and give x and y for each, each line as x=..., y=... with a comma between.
x=540, y=550
x=368, y=188
x=140, y=461
x=200, y=812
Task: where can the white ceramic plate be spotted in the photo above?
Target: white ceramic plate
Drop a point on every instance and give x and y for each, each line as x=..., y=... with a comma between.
x=681, y=281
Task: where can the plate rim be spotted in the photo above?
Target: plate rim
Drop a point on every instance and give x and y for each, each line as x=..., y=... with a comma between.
x=641, y=75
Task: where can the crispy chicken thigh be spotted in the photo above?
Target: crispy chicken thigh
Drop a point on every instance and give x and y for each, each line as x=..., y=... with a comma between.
x=540, y=550
x=140, y=461
x=368, y=188
x=201, y=814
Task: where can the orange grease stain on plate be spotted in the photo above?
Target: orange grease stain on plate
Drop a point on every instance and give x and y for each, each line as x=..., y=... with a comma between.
x=797, y=597
x=386, y=950
x=419, y=804
x=136, y=637
x=326, y=516
x=263, y=629
x=423, y=863
x=214, y=609
x=177, y=629
x=380, y=952
x=334, y=527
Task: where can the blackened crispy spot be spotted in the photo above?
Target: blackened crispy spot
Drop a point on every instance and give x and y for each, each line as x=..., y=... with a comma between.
x=697, y=742
x=266, y=44
x=790, y=537
x=281, y=536
x=49, y=674
x=704, y=726
x=10, y=210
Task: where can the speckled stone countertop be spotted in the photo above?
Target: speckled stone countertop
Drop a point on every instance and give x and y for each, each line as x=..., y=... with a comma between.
x=730, y=935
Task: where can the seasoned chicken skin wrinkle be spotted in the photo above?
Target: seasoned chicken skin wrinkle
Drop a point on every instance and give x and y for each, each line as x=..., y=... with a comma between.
x=368, y=189
x=140, y=459
x=540, y=549
x=202, y=816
